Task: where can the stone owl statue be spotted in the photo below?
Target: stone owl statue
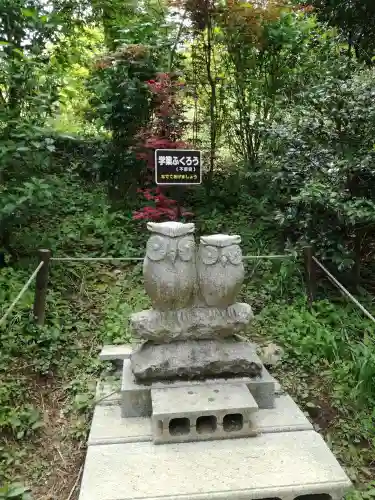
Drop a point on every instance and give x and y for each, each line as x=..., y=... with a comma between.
x=169, y=268
x=220, y=271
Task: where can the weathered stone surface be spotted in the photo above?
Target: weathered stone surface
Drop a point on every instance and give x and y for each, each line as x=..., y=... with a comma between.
x=169, y=266
x=220, y=269
x=195, y=359
x=193, y=323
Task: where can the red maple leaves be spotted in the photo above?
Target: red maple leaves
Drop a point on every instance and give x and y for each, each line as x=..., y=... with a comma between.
x=164, y=132
x=164, y=208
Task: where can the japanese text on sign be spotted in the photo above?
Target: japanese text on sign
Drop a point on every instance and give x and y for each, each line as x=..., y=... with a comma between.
x=177, y=166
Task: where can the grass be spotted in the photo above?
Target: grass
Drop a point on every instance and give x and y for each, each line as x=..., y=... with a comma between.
x=48, y=374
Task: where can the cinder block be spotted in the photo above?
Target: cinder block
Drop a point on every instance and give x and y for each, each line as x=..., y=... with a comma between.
x=136, y=397
x=263, y=390
x=284, y=465
x=108, y=427
x=202, y=412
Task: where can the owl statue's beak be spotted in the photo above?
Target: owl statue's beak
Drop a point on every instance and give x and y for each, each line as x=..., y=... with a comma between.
x=172, y=256
x=224, y=260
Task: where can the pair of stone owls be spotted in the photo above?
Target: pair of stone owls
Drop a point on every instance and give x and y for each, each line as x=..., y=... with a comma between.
x=177, y=276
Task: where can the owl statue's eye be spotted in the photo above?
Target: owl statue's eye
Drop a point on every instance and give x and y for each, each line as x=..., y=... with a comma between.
x=234, y=254
x=186, y=247
x=157, y=247
x=209, y=255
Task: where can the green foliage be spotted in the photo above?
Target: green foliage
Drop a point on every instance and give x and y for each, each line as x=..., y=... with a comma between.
x=15, y=491
x=320, y=166
x=122, y=102
x=355, y=21
x=327, y=336
x=269, y=67
x=29, y=87
x=72, y=60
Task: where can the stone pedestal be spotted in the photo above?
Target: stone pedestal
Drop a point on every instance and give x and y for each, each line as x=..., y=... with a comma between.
x=226, y=430
x=189, y=332
x=283, y=458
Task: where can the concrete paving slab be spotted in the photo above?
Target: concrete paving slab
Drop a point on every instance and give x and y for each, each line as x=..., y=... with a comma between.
x=283, y=465
x=278, y=388
x=210, y=411
x=108, y=427
x=286, y=416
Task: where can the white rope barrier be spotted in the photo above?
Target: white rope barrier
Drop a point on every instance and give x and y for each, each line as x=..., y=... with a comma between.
x=344, y=290
x=256, y=257
x=113, y=259
x=26, y=286
x=94, y=259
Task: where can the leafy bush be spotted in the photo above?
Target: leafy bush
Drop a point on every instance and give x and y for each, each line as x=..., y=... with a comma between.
x=15, y=491
x=121, y=101
x=320, y=167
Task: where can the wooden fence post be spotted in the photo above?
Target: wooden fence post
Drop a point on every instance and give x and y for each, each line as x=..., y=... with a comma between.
x=310, y=274
x=41, y=286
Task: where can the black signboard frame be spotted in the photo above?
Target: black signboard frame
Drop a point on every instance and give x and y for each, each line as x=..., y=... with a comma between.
x=193, y=168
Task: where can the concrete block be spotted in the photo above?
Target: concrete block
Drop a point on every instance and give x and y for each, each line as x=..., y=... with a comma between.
x=263, y=390
x=136, y=397
x=202, y=412
x=108, y=393
x=115, y=352
x=108, y=427
x=283, y=465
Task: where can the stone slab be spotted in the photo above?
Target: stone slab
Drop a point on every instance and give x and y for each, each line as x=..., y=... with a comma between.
x=202, y=412
x=136, y=397
x=115, y=352
x=108, y=427
x=194, y=360
x=189, y=324
x=284, y=465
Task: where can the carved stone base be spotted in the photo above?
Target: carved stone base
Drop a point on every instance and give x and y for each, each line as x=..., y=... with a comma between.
x=192, y=323
x=194, y=360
